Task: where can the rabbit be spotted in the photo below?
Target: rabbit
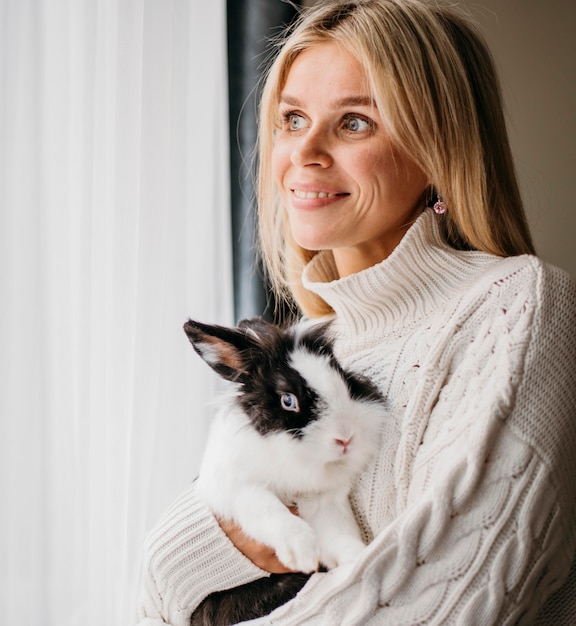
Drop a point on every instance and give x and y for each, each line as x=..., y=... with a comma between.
x=295, y=432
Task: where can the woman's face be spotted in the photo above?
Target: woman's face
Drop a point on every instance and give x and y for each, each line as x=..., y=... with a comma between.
x=344, y=184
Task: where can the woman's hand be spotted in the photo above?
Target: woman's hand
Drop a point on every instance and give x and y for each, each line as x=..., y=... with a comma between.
x=261, y=555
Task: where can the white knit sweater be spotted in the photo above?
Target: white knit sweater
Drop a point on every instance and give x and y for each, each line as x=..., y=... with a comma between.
x=470, y=507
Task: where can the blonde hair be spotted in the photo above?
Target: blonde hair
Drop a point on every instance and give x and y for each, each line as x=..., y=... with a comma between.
x=433, y=76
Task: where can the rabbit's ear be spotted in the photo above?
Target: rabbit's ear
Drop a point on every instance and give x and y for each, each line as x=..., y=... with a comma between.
x=222, y=348
x=257, y=326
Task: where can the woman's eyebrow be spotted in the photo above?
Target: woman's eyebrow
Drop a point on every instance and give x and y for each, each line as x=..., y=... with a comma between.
x=341, y=103
x=359, y=101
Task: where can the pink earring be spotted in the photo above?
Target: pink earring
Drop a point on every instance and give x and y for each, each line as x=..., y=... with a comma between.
x=439, y=207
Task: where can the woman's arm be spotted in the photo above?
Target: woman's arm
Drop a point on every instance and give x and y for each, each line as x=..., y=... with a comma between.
x=187, y=557
x=261, y=555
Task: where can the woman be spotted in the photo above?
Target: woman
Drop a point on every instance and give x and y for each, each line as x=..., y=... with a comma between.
x=388, y=201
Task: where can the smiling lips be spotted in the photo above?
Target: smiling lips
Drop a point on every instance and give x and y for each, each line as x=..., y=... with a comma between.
x=313, y=195
x=307, y=199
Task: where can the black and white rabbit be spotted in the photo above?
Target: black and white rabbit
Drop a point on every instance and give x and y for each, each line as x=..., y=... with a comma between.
x=296, y=431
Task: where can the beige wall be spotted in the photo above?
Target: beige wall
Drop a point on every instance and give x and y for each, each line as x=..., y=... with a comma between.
x=533, y=42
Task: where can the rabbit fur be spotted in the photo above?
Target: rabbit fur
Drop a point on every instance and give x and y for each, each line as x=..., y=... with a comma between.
x=295, y=430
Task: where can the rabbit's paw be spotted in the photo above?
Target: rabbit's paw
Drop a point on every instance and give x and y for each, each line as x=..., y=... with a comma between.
x=298, y=548
x=344, y=550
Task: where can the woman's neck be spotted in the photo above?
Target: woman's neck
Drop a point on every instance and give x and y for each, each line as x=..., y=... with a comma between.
x=421, y=274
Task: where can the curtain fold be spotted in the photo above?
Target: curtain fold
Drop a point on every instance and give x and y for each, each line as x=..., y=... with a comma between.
x=251, y=24
x=114, y=228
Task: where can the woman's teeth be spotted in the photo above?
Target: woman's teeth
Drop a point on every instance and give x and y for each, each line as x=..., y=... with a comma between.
x=312, y=195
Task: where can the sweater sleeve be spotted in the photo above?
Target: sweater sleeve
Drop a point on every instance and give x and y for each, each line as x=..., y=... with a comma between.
x=486, y=498
x=187, y=557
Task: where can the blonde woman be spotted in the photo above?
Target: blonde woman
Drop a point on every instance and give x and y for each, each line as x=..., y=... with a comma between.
x=388, y=202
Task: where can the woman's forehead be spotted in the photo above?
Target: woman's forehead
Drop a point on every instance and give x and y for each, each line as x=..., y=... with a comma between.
x=333, y=61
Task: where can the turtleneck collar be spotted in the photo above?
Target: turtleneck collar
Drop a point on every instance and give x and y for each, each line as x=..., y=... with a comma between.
x=420, y=275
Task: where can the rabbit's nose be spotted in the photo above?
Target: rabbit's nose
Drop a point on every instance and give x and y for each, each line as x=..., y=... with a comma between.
x=344, y=443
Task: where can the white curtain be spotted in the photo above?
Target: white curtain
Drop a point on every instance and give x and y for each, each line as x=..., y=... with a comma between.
x=113, y=230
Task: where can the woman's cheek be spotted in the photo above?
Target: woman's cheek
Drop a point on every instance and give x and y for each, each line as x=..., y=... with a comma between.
x=280, y=161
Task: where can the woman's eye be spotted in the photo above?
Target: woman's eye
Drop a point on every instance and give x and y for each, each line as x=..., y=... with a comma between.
x=289, y=402
x=356, y=124
x=293, y=121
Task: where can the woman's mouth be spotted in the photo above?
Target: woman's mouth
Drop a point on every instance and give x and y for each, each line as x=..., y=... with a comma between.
x=313, y=195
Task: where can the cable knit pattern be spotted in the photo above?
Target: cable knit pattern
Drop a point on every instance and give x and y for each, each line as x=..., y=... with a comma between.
x=470, y=506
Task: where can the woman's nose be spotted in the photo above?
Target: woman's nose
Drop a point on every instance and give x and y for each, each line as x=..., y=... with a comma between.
x=312, y=148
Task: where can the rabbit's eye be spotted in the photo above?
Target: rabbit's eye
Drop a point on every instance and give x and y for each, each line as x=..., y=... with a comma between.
x=289, y=402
